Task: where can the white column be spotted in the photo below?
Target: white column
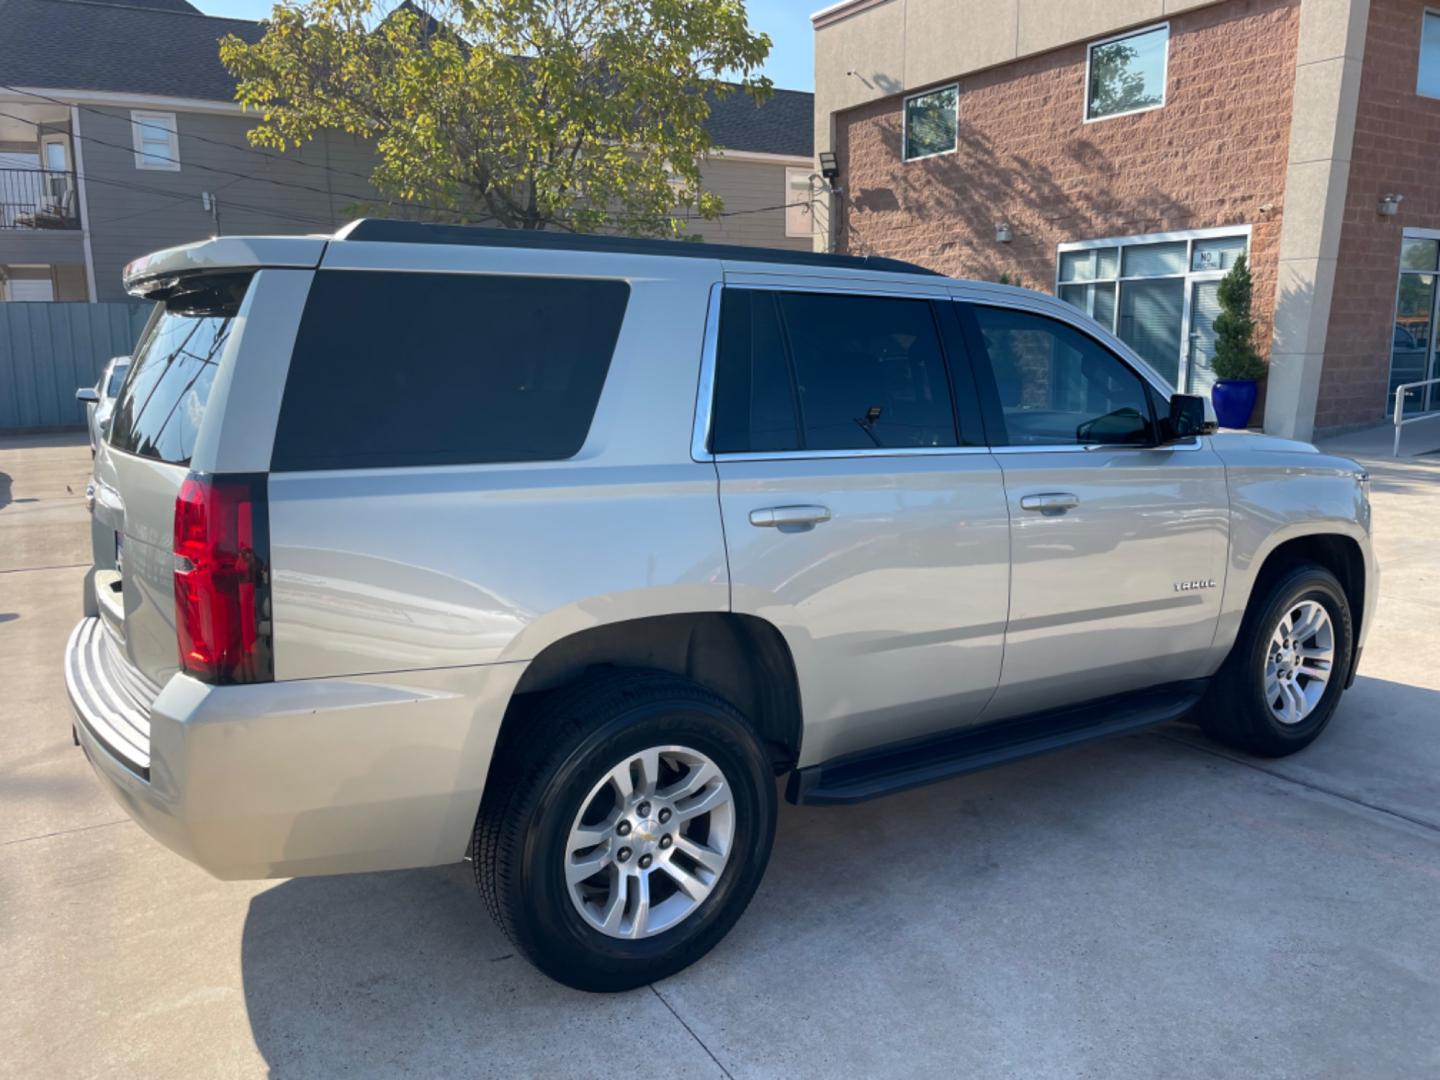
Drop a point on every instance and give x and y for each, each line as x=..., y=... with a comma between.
x=1322, y=132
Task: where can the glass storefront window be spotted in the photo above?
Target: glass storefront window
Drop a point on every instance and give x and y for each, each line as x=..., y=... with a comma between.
x=1153, y=260
x=1096, y=300
x=1417, y=253
x=1218, y=254
x=1151, y=317
x=1089, y=264
x=1158, y=295
x=1412, y=335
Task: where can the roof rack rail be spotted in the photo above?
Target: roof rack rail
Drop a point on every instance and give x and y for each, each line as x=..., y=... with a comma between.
x=388, y=231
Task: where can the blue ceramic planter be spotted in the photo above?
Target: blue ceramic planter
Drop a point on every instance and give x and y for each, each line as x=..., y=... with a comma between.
x=1234, y=400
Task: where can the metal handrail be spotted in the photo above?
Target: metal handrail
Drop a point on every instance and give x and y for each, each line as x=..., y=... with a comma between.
x=1400, y=421
x=37, y=198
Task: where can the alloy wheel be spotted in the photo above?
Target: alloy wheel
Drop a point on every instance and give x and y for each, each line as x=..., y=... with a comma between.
x=1299, y=661
x=650, y=842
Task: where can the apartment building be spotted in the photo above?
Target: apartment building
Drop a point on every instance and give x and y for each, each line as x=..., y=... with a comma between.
x=1121, y=153
x=119, y=135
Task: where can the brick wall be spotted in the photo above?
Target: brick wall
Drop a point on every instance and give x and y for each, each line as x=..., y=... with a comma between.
x=1214, y=155
x=1397, y=149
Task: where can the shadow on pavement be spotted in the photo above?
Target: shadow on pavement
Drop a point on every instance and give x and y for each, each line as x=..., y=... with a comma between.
x=381, y=973
x=403, y=972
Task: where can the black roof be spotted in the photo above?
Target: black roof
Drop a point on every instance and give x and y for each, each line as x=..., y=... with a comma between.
x=387, y=231
x=783, y=124
x=121, y=48
x=167, y=47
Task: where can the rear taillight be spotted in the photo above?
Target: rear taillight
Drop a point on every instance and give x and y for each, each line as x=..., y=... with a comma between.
x=222, y=578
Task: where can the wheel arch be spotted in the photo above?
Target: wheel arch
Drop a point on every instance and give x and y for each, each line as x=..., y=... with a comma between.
x=742, y=658
x=1337, y=552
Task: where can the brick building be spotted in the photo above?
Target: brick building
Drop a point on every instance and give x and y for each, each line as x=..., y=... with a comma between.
x=1122, y=152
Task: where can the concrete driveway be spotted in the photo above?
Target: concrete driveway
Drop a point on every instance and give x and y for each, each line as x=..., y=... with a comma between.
x=1147, y=907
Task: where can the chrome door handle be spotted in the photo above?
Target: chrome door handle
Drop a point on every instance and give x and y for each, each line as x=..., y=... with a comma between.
x=1050, y=502
x=782, y=517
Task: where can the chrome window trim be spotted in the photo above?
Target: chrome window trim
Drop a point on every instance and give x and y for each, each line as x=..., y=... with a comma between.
x=1056, y=309
x=1090, y=448
x=881, y=452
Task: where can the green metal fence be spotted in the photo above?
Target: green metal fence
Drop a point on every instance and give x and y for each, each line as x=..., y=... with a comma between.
x=48, y=350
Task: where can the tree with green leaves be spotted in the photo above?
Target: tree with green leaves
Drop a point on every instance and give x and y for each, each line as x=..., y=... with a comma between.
x=574, y=114
x=1235, y=354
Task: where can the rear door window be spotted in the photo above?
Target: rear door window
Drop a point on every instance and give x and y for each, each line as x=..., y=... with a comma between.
x=827, y=372
x=395, y=369
x=158, y=412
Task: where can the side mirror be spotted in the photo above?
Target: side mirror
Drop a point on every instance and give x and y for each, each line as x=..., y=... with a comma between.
x=87, y=394
x=1186, y=420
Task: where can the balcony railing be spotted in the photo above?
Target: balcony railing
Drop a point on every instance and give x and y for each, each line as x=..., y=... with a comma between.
x=38, y=199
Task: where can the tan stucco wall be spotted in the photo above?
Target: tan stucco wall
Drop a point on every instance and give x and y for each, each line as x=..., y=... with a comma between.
x=1322, y=133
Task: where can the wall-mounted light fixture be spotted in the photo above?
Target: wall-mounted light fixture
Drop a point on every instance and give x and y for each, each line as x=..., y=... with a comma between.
x=829, y=167
x=1002, y=232
x=1389, y=205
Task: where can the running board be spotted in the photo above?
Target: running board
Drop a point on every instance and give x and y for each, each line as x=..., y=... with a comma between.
x=901, y=766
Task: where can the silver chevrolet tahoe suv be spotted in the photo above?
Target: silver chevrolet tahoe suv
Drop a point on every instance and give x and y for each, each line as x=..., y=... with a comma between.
x=423, y=541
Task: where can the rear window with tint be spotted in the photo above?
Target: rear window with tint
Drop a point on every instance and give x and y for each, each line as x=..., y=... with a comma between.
x=158, y=412
x=395, y=369
x=828, y=372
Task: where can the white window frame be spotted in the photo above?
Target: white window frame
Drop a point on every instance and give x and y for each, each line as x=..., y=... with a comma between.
x=791, y=176
x=1164, y=74
x=1428, y=13
x=142, y=120
x=8, y=282
x=905, y=157
x=1189, y=275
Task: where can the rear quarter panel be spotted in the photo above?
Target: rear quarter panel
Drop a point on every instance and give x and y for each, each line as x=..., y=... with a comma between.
x=409, y=568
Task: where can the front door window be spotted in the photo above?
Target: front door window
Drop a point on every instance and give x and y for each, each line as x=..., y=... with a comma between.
x=1156, y=294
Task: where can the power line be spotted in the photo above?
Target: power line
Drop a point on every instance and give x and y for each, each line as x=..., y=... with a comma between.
x=266, y=155
x=147, y=189
x=328, y=193
x=234, y=147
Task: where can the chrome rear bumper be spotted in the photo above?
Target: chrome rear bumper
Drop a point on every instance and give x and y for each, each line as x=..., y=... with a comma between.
x=309, y=776
x=110, y=698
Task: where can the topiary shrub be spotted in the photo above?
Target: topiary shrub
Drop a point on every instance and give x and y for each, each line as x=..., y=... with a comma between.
x=1235, y=354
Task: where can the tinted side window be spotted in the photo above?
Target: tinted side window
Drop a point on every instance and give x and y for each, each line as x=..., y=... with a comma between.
x=394, y=369
x=869, y=370
x=829, y=371
x=159, y=409
x=754, y=395
x=1059, y=387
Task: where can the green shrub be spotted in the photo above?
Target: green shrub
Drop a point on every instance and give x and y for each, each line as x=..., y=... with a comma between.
x=1235, y=354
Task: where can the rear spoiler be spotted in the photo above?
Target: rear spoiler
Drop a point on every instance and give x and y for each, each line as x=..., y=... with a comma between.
x=153, y=277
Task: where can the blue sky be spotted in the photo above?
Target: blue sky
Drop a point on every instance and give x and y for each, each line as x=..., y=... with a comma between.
x=786, y=21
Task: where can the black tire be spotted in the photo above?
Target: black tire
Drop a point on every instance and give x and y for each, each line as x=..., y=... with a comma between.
x=1235, y=711
x=565, y=744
